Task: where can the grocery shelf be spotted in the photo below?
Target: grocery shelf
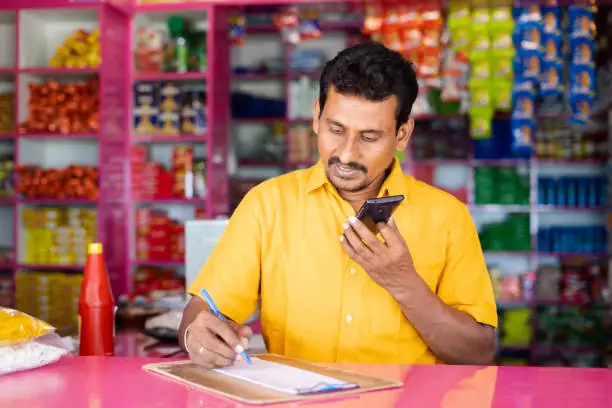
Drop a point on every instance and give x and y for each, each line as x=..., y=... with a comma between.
x=499, y=208
x=153, y=262
x=553, y=208
x=572, y=254
x=49, y=267
x=7, y=136
x=324, y=26
x=71, y=136
x=7, y=71
x=177, y=200
x=254, y=76
x=59, y=71
x=57, y=201
x=254, y=121
x=170, y=139
x=169, y=76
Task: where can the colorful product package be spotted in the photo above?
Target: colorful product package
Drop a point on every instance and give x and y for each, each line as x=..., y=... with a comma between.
x=237, y=29
x=552, y=46
x=583, y=79
x=582, y=50
x=529, y=65
x=524, y=104
x=581, y=106
x=551, y=19
x=551, y=83
x=480, y=121
x=309, y=27
x=581, y=20
x=502, y=95
x=523, y=131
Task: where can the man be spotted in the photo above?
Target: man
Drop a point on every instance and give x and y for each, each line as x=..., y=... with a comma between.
x=330, y=289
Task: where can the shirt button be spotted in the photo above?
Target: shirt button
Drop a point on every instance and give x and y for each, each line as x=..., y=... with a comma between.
x=353, y=271
x=349, y=318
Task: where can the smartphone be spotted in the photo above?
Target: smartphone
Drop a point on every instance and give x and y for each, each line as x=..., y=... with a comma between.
x=377, y=210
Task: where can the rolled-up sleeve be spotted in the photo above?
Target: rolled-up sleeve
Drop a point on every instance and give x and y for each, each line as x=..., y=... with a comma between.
x=465, y=283
x=232, y=273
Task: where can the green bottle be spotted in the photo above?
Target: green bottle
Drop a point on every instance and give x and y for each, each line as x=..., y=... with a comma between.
x=179, y=57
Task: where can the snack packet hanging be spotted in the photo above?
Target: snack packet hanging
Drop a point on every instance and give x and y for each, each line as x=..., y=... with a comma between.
x=552, y=46
x=524, y=103
x=582, y=79
x=581, y=20
x=237, y=29
x=523, y=131
x=551, y=19
x=373, y=17
x=502, y=95
x=480, y=122
x=552, y=77
x=581, y=107
x=582, y=50
x=287, y=22
x=529, y=67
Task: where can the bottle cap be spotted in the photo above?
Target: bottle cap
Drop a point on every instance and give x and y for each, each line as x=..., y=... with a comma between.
x=94, y=248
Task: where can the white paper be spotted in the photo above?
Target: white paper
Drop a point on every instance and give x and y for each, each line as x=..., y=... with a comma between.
x=281, y=377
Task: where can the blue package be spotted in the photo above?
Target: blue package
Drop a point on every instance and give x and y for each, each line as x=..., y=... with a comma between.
x=523, y=101
x=523, y=131
x=551, y=19
x=581, y=21
x=531, y=35
x=603, y=191
x=531, y=61
x=551, y=194
x=581, y=107
x=552, y=46
x=593, y=193
x=582, y=50
x=542, y=183
x=551, y=78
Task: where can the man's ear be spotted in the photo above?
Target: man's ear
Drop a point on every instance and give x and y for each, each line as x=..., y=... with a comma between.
x=403, y=135
x=316, y=109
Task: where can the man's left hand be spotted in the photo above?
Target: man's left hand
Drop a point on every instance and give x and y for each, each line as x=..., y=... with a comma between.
x=388, y=263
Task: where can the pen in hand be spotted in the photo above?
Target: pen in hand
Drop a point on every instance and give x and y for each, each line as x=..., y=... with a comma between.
x=213, y=308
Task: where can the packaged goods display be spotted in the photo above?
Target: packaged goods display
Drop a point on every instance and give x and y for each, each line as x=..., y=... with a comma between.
x=512, y=288
x=575, y=281
x=573, y=191
x=583, y=239
x=62, y=108
x=512, y=234
x=501, y=185
x=555, y=139
x=169, y=109
x=27, y=342
x=6, y=289
x=71, y=182
x=181, y=47
x=6, y=175
x=58, y=236
x=158, y=237
x=50, y=296
x=7, y=112
x=186, y=177
x=152, y=283
x=79, y=50
x=515, y=328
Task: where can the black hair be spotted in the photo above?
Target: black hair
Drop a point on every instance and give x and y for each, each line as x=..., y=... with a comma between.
x=375, y=72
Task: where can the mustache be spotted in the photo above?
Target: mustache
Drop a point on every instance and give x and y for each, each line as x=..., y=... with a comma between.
x=356, y=166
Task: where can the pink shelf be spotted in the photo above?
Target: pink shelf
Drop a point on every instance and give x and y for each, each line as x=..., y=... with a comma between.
x=324, y=25
x=74, y=136
x=51, y=267
x=178, y=200
x=509, y=253
x=258, y=120
x=58, y=71
x=500, y=208
x=552, y=208
x=169, y=76
x=7, y=200
x=7, y=136
x=7, y=71
x=257, y=76
x=55, y=201
x=256, y=163
x=170, y=139
x=161, y=263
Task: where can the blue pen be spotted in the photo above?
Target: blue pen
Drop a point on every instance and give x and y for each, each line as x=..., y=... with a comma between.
x=213, y=308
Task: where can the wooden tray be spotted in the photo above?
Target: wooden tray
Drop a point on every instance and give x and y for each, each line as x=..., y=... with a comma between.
x=188, y=373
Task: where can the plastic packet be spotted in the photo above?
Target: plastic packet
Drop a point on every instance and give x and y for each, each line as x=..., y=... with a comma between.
x=502, y=95
x=27, y=342
x=309, y=27
x=237, y=29
x=480, y=93
x=551, y=19
x=412, y=38
x=581, y=21
x=552, y=46
x=480, y=39
x=523, y=131
x=581, y=107
x=582, y=50
x=373, y=17
x=551, y=80
x=582, y=79
x=524, y=103
x=480, y=122
x=530, y=65
x=288, y=23
x=501, y=65
x=481, y=66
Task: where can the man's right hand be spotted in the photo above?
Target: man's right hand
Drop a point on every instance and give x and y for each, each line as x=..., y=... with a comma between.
x=213, y=343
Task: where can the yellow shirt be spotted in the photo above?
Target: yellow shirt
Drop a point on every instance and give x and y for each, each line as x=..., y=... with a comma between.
x=282, y=243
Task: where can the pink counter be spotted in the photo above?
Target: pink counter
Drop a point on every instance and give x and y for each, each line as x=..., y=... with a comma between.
x=119, y=382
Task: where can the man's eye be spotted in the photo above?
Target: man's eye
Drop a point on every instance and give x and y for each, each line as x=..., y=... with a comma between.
x=368, y=139
x=336, y=130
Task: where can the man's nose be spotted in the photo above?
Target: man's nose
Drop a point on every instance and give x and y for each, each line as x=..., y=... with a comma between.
x=349, y=150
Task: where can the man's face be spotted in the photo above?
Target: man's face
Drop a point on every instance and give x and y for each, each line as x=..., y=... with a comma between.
x=357, y=139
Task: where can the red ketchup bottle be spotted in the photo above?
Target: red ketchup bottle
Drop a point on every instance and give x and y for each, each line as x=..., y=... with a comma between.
x=96, y=307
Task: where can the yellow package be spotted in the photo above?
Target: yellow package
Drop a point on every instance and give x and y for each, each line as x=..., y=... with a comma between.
x=18, y=327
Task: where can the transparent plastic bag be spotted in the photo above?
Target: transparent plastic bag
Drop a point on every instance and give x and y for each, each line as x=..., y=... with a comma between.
x=27, y=342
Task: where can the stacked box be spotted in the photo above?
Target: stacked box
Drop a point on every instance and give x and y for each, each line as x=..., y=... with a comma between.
x=52, y=297
x=146, y=108
x=182, y=171
x=193, y=112
x=169, y=109
x=58, y=236
x=158, y=237
x=7, y=112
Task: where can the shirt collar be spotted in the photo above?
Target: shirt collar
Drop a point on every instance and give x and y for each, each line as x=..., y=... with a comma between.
x=394, y=184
